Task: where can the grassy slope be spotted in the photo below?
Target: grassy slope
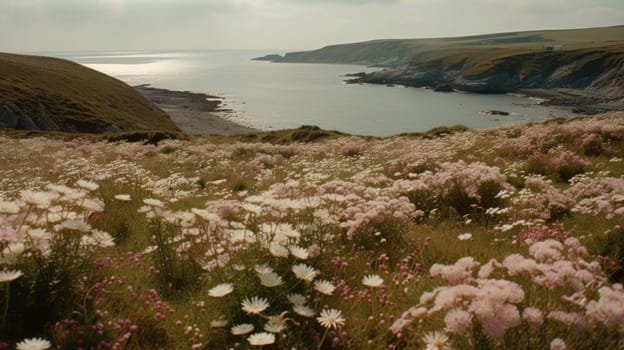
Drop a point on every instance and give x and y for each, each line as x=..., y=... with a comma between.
x=77, y=98
x=206, y=161
x=418, y=50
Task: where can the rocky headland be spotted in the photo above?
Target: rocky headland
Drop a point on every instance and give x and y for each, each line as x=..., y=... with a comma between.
x=579, y=68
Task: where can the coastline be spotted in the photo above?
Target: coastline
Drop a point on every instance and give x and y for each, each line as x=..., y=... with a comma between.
x=194, y=113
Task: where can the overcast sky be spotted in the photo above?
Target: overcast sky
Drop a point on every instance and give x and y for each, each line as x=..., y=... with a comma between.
x=50, y=25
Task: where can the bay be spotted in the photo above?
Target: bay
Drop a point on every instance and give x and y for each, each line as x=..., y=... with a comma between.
x=287, y=95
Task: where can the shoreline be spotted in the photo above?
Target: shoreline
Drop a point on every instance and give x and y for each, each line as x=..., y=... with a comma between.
x=193, y=112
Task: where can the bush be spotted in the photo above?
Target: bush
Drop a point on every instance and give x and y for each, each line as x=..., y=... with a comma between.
x=352, y=149
x=564, y=165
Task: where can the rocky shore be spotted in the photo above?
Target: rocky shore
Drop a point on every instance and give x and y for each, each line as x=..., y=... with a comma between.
x=194, y=113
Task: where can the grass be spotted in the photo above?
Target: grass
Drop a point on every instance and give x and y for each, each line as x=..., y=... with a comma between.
x=353, y=213
x=76, y=98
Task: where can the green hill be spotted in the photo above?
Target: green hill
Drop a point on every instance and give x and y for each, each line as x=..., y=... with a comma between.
x=582, y=68
x=43, y=93
x=400, y=51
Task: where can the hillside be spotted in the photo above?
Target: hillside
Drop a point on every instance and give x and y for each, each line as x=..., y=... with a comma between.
x=392, y=52
x=588, y=63
x=502, y=239
x=43, y=93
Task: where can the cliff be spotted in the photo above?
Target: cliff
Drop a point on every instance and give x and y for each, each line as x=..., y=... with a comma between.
x=587, y=63
x=49, y=94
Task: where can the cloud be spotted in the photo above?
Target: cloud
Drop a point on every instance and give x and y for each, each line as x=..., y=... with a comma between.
x=345, y=2
x=296, y=24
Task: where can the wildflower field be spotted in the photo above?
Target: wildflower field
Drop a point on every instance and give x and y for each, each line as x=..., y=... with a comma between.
x=507, y=238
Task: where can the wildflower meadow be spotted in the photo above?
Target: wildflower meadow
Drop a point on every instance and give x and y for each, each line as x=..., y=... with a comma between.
x=505, y=238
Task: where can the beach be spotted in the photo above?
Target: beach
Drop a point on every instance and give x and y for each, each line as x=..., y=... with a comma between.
x=194, y=113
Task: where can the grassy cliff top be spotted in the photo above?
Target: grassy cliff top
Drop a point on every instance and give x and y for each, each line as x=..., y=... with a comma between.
x=76, y=98
x=392, y=51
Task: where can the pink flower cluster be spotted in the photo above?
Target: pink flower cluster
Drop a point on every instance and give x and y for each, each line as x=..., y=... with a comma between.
x=376, y=211
x=468, y=176
x=496, y=303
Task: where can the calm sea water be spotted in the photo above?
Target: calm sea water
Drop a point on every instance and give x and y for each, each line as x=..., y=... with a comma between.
x=285, y=95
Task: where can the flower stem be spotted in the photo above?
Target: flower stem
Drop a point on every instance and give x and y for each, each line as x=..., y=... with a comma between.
x=6, y=303
x=322, y=339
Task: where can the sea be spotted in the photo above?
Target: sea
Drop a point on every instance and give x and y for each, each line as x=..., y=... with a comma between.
x=287, y=95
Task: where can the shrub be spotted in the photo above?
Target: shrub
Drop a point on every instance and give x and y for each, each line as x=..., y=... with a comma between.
x=352, y=149
x=564, y=164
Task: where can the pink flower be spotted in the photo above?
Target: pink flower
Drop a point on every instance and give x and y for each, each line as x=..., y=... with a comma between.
x=458, y=321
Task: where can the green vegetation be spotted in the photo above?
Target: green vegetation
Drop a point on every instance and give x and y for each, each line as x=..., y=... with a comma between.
x=65, y=96
x=506, y=238
x=401, y=51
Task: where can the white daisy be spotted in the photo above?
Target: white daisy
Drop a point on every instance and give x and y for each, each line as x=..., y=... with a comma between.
x=262, y=269
x=74, y=225
x=260, y=339
x=220, y=323
x=33, y=344
x=123, y=197
x=305, y=272
x=324, y=287
x=331, y=318
x=98, y=238
x=255, y=305
x=278, y=250
x=297, y=299
x=242, y=329
x=9, y=207
x=10, y=275
x=372, y=281
x=437, y=341
x=464, y=236
x=275, y=327
x=153, y=202
x=298, y=252
x=303, y=310
x=270, y=279
x=221, y=290
x=40, y=199
x=88, y=185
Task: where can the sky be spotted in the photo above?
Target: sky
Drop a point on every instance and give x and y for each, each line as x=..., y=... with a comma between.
x=71, y=25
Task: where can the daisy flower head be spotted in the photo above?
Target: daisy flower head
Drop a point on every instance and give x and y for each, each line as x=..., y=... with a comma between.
x=278, y=250
x=254, y=305
x=9, y=207
x=324, y=287
x=437, y=341
x=40, y=199
x=123, y=197
x=88, y=185
x=262, y=269
x=558, y=344
x=153, y=202
x=297, y=299
x=242, y=329
x=260, y=339
x=220, y=323
x=464, y=236
x=305, y=272
x=33, y=344
x=331, y=318
x=273, y=327
x=270, y=279
x=298, y=252
x=303, y=310
x=75, y=225
x=10, y=275
x=221, y=290
x=373, y=281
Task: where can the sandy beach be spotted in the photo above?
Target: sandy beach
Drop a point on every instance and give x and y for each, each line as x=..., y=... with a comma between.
x=194, y=113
